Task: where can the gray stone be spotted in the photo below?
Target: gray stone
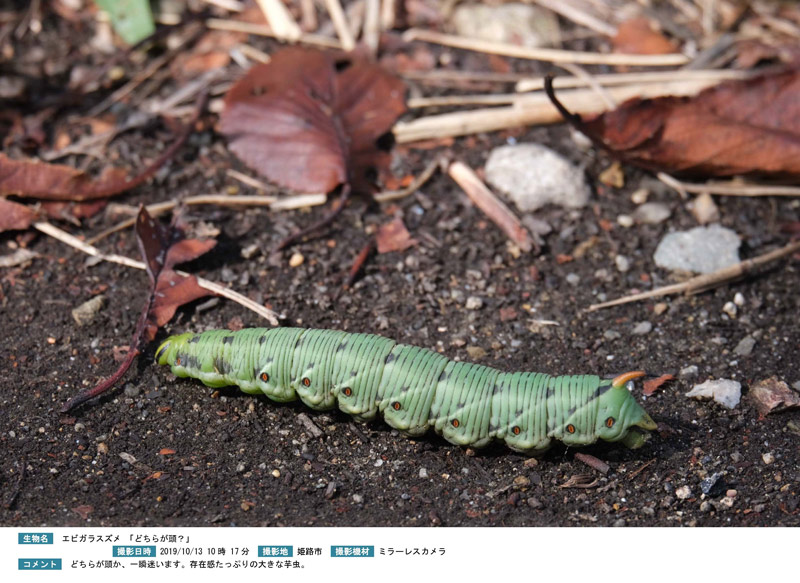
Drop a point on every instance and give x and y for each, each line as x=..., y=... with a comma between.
x=689, y=371
x=474, y=303
x=701, y=250
x=652, y=213
x=642, y=328
x=534, y=176
x=745, y=346
x=623, y=263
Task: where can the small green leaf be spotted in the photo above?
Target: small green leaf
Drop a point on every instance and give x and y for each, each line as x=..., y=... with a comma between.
x=132, y=19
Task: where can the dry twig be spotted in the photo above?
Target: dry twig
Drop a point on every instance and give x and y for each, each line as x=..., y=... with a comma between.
x=275, y=203
x=541, y=54
x=533, y=109
x=340, y=24
x=218, y=289
x=249, y=28
x=280, y=20
x=730, y=188
x=706, y=281
x=494, y=208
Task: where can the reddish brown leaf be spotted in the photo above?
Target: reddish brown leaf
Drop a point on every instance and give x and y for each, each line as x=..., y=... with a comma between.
x=14, y=216
x=188, y=250
x=308, y=126
x=652, y=385
x=172, y=292
x=84, y=510
x=394, y=236
x=161, y=247
x=37, y=179
x=72, y=211
x=740, y=127
x=637, y=36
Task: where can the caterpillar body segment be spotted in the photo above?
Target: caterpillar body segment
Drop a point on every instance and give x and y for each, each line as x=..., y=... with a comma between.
x=414, y=389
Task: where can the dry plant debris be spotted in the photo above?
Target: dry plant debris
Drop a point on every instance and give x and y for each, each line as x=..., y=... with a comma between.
x=725, y=130
x=310, y=122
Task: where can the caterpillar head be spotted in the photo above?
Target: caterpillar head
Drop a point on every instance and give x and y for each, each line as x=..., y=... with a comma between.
x=620, y=417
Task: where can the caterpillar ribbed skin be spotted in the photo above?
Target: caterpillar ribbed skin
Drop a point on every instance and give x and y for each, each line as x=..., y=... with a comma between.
x=414, y=389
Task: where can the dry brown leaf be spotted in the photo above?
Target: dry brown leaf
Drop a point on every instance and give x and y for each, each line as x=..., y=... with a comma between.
x=638, y=36
x=739, y=127
x=310, y=123
x=37, y=179
x=652, y=385
x=394, y=236
x=15, y=216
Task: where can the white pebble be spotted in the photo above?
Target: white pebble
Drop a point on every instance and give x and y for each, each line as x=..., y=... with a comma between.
x=652, y=213
x=640, y=196
x=738, y=299
x=730, y=309
x=769, y=458
x=474, y=303
x=701, y=250
x=725, y=392
x=625, y=221
x=623, y=263
x=683, y=493
x=534, y=176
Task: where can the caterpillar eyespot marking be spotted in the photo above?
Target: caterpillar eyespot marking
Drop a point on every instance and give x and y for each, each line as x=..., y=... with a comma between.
x=482, y=403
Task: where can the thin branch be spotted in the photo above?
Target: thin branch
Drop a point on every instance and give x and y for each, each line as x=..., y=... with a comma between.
x=530, y=86
x=533, y=109
x=288, y=203
x=280, y=19
x=706, y=281
x=731, y=188
x=542, y=54
x=493, y=207
x=259, y=29
x=340, y=24
x=220, y=290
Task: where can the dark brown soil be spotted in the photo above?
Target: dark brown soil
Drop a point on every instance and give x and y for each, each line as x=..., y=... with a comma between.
x=165, y=452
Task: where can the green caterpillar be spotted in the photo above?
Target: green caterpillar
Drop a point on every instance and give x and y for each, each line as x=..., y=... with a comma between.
x=414, y=388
